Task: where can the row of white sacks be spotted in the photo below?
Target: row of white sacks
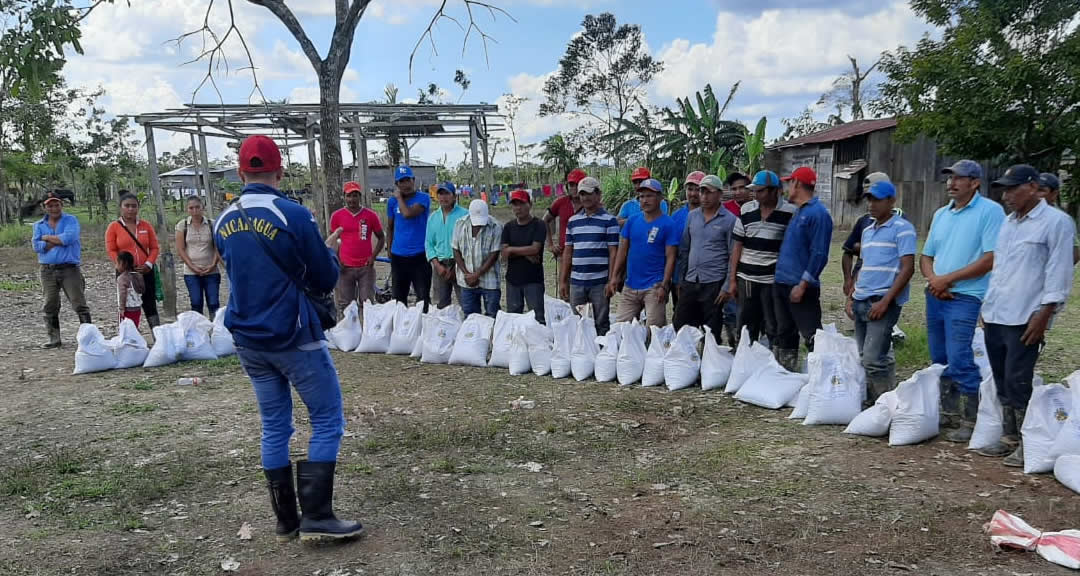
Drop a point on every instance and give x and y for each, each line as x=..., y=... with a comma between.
x=191, y=337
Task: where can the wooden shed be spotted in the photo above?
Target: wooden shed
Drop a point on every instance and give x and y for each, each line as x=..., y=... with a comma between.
x=843, y=155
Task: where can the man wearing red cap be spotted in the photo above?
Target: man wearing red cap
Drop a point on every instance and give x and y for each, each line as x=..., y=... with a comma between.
x=632, y=206
x=356, y=226
x=275, y=257
x=803, y=256
x=523, y=248
x=563, y=209
x=56, y=241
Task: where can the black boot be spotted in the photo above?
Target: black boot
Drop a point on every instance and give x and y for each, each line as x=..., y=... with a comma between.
x=283, y=501
x=84, y=318
x=52, y=325
x=316, y=483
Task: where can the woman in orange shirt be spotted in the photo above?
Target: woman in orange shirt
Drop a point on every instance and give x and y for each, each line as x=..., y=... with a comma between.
x=130, y=234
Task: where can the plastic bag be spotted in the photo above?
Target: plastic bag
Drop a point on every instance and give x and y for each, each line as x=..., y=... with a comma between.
x=93, y=354
x=408, y=326
x=918, y=407
x=439, y=334
x=128, y=346
x=716, y=363
x=989, y=423
x=584, y=350
x=473, y=341
x=378, y=327
x=835, y=394
x=220, y=338
x=1062, y=548
x=607, y=359
x=539, y=339
x=1067, y=471
x=505, y=326
x=556, y=310
x=875, y=420
x=563, y=332
x=345, y=335
x=168, y=344
x=196, y=329
x=771, y=386
x=1047, y=412
x=749, y=357
x=978, y=347
x=682, y=363
x=630, y=364
x=659, y=344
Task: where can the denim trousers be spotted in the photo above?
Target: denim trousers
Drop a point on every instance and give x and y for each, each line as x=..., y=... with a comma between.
x=874, y=338
x=472, y=297
x=312, y=373
x=204, y=288
x=950, y=328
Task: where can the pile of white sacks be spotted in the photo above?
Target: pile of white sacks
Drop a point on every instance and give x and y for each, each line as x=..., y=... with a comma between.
x=191, y=337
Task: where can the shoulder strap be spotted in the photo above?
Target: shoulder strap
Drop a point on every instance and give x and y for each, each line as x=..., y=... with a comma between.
x=133, y=237
x=269, y=252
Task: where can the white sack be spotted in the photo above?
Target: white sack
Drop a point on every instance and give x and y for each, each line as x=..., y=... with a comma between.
x=1047, y=412
x=875, y=420
x=918, y=407
x=584, y=350
x=835, y=394
x=408, y=326
x=1067, y=471
x=378, y=327
x=92, y=355
x=473, y=341
x=607, y=359
x=128, y=346
x=345, y=335
x=828, y=342
x=168, y=345
x=1068, y=439
x=802, y=399
x=978, y=347
x=682, y=363
x=563, y=332
x=748, y=359
x=630, y=364
x=505, y=326
x=659, y=344
x=196, y=329
x=453, y=312
x=519, y=353
x=539, y=339
x=989, y=422
x=556, y=310
x=770, y=386
x=439, y=334
x=220, y=338
x=716, y=363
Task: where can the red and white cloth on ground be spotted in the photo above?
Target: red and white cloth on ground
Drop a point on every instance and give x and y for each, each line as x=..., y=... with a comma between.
x=1062, y=548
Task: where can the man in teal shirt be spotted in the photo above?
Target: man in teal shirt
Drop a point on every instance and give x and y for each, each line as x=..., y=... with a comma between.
x=440, y=229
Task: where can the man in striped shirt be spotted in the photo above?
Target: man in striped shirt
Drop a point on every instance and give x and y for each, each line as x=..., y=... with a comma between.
x=758, y=233
x=887, y=249
x=592, y=240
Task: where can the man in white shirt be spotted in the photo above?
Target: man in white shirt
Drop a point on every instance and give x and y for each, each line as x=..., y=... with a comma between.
x=1029, y=284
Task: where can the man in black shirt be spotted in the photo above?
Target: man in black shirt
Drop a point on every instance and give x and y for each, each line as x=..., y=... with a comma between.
x=523, y=248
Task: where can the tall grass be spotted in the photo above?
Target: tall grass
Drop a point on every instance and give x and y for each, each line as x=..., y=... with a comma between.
x=14, y=235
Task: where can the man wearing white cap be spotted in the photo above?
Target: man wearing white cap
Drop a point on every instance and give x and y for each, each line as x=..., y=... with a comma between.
x=476, y=245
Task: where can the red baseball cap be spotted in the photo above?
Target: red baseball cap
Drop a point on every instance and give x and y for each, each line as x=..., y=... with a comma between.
x=259, y=154
x=640, y=173
x=521, y=196
x=576, y=175
x=351, y=186
x=804, y=175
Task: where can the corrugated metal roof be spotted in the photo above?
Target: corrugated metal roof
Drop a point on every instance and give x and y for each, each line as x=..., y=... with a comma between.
x=837, y=133
x=192, y=171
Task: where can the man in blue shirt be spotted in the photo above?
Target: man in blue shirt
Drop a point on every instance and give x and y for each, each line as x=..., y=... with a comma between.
x=803, y=256
x=881, y=286
x=279, y=338
x=407, y=213
x=56, y=241
x=956, y=261
x=632, y=206
x=647, y=253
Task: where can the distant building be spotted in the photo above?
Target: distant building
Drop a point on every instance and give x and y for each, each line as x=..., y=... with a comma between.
x=381, y=174
x=184, y=182
x=843, y=155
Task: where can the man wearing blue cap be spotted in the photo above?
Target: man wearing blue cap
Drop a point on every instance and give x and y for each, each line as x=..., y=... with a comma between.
x=956, y=261
x=647, y=253
x=437, y=238
x=881, y=286
x=407, y=217
x=1030, y=284
x=1049, y=188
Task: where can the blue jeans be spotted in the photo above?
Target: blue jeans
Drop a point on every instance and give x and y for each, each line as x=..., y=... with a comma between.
x=208, y=285
x=471, y=297
x=950, y=328
x=313, y=375
x=874, y=338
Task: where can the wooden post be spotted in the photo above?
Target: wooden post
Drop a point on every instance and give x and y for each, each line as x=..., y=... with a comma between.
x=475, y=160
x=208, y=184
x=195, y=157
x=362, y=163
x=165, y=266
x=490, y=171
x=318, y=195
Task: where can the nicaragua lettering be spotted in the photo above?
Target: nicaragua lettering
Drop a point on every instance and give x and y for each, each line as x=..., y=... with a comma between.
x=264, y=227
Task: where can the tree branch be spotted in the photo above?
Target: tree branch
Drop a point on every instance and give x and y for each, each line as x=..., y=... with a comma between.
x=215, y=54
x=441, y=14
x=344, y=32
x=283, y=13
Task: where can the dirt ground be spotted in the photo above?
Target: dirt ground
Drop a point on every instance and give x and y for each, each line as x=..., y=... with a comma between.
x=125, y=472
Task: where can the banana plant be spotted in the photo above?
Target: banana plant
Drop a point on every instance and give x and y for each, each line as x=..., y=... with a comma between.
x=754, y=148
x=673, y=193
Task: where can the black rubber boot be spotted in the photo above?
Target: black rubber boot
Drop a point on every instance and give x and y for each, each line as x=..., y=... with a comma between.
x=317, y=522
x=283, y=501
x=52, y=325
x=84, y=318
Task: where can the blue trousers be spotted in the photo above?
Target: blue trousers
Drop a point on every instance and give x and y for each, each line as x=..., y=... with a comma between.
x=950, y=328
x=200, y=286
x=471, y=298
x=313, y=375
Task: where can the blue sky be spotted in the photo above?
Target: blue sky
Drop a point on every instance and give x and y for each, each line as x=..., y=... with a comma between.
x=785, y=52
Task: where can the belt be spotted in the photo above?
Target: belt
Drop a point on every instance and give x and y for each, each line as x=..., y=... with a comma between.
x=59, y=266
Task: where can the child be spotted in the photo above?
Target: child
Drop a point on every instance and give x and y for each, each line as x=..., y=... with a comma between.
x=129, y=288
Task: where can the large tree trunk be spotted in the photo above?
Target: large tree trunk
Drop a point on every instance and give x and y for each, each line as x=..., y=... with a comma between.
x=330, y=139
